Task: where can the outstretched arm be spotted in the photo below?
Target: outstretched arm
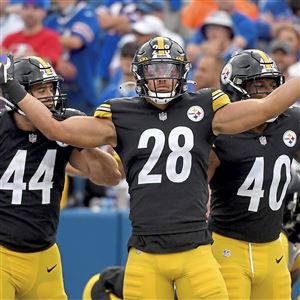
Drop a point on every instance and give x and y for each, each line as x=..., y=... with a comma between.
x=243, y=115
x=85, y=132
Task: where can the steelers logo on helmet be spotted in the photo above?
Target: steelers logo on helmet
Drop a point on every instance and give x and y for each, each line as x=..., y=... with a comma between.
x=290, y=138
x=195, y=113
x=226, y=73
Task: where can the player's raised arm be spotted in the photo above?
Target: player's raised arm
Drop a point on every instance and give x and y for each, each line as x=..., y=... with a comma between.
x=86, y=132
x=243, y=115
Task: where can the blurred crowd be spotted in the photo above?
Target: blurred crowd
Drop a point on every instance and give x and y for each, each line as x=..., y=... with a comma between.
x=92, y=43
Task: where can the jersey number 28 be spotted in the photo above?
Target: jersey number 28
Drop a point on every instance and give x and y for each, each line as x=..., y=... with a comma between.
x=177, y=151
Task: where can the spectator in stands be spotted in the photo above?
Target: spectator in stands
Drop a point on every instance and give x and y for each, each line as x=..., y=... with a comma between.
x=282, y=54
x=194, y=13
x=274, y=14
x=245, y=30
x=9, y=22
x=123, y=75
x=79, y=33
x=246, y=33
x=218, y=33
x=207, y=71
x=115, y=18
x=151, y=7
x=34, y=39
x=289, y=34
x=149, y=25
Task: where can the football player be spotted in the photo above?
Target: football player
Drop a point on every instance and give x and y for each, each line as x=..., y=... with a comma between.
x=32, y=169
x=249, y=174
x=163, y=138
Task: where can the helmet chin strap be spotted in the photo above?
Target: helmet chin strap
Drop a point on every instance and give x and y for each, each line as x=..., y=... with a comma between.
x=162, y=98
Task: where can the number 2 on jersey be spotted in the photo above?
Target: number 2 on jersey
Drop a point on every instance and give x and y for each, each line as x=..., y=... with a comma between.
x=256, y=177
x=176, y=152
x=16, y=169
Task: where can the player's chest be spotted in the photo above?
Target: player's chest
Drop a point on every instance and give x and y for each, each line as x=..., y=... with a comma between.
x=29, y=152
x=269, y=144
x=185, y=126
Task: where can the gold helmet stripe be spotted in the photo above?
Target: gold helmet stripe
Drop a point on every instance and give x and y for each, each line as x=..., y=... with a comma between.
x=161, y=45
x=44, y=64
x=265, y=59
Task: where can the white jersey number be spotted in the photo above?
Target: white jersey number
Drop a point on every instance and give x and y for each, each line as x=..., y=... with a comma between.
x=255, y=179
x=16, y=169
x=177, y=151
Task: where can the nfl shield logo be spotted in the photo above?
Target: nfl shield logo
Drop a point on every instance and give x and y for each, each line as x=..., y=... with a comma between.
x=263, y=140
x=163, y=116
x=32, y=137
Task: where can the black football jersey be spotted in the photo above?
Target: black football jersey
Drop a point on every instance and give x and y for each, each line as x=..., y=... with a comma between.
x=32, y=172
x=249, y=187
x=165, y=156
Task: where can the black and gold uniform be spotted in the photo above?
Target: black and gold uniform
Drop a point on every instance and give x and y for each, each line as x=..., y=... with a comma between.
x=31, y=182
x=249, y=185
x=165, y=156
x=32, y=172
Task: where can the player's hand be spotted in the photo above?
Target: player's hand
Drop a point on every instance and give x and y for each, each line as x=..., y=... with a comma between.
x=6, y=68
x=9, y=85
x=67, y=113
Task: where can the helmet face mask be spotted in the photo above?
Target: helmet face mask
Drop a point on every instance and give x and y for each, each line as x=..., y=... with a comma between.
x=160, y=68
x=33, y=71
x=261, y=86
x=245, y=67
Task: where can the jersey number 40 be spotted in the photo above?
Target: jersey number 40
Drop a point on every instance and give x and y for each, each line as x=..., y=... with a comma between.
x=256, y=178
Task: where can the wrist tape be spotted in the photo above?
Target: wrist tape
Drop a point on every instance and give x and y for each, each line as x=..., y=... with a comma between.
x=15, y=90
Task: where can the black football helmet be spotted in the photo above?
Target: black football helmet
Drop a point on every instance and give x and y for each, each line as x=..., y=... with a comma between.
x=160, y=58
x=245, y=66
x=33, y=70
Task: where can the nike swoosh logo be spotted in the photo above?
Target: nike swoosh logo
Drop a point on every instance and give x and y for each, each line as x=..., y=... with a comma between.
x=50, y=269
x=279, y=260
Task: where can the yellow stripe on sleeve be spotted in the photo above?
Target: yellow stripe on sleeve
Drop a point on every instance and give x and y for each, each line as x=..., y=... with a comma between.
x=216, y=92
x=220, y=101
x=103, y=114
x=103, y=111
x=106, y=105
